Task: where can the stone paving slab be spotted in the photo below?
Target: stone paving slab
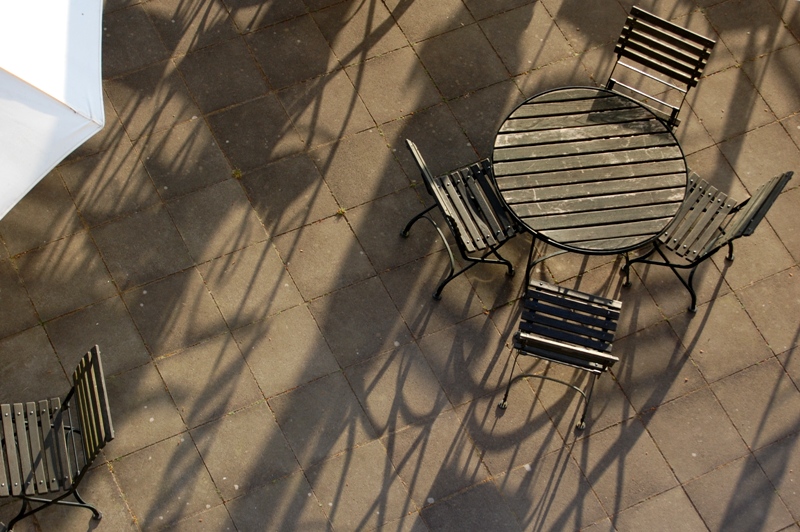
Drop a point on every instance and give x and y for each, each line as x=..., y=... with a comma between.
x=273, y=355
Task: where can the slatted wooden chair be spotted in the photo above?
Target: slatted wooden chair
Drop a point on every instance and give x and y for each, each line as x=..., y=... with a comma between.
x=707, y=221
x=47, y=446
x=567, y=327
x=658, y=62
x=472, y=209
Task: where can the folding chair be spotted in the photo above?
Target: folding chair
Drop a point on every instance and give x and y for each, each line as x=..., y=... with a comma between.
x=707, y=221
x=663, y=59
x=472, y=208
x=566, y=327
x=48, y=446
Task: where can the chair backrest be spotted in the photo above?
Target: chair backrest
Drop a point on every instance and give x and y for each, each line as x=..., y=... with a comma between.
x=568, y=327
x=708, y=219
x=662, y=58
x=470, y=203
x=751, y=212
x=91, y=398
x=40, y=451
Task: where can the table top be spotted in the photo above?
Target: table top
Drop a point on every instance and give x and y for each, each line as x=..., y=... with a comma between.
x=589, y=170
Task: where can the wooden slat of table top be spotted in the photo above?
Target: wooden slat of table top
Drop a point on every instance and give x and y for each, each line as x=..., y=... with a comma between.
x=591, y=160
x=576, y=133
x=584, y=175
x=601, y=145
x=616, y=201
x=603, y=232
x=595, y=189
x=595, y=218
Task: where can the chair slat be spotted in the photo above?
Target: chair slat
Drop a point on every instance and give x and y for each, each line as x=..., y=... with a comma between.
x=89, y=407
x=571, y=335
x=599, y=318
x=497, y=206
x=484, y=233
x=34, y=437
x=663, y=65
x=660, y=41
x=685, y=35
x=60, y=442
x=597, y=306
x=597, y=329
x=24, y=450
x=695, y=188
x=81, y=380
x=102, y=396
x=453, y=212
x=9, y=481
x=467, y=223
x=492, y=221
x=574, y=355
x=47, y=409
x=712, y=230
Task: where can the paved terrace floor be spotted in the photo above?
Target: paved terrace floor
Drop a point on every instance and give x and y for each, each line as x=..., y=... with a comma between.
x=274, y=358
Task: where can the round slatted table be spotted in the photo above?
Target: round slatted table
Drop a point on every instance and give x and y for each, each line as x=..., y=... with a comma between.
x=589, y=170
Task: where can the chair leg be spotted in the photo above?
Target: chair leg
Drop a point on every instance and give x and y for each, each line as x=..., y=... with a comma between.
x=504, y=403
x=21, y=515
x=412, y=221
x=437, y=295
x=583, y=393
x=586, y=397
x=626, y=269
x=452, y=272
x=28, y=509
x=730, y=251
x=689, y=284
x=97, y=515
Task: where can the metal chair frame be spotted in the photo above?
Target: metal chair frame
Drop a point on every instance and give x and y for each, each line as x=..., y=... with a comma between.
x=472, y=209
x=706, y=222
x=48, y=446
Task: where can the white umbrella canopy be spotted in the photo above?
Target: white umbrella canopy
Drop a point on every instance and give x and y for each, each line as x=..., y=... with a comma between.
x=51, y=98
